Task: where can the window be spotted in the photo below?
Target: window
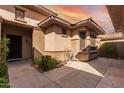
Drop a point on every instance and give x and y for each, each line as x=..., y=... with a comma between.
x=82, y=35
x=64, y=32
x=19, y=14
x=92, y=35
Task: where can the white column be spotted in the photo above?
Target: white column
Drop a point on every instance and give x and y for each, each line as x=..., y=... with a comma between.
x=87, y=39
x=98, y=42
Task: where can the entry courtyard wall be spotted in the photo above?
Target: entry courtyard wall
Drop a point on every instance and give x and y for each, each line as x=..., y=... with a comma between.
x=118, y=44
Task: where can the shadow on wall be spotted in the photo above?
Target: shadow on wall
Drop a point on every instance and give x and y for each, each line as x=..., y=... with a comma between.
x=112, y=50
x=60, y=55
x=36, y=53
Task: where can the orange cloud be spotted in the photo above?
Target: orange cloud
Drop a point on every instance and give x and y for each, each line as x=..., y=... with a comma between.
x=74, y=13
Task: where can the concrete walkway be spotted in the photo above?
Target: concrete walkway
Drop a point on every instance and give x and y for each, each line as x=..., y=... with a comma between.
x=101, y=72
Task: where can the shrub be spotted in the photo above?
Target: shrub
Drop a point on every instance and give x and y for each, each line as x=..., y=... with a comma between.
x=4, y=83
x=3, y=57
x=46, y=63
x=108, y=50
x=3, y=63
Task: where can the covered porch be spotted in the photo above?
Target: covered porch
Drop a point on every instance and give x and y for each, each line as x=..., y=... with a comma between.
x=20, y=39
x=84, y=39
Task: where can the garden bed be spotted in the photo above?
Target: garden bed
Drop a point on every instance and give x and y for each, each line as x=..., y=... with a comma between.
x=46, y=63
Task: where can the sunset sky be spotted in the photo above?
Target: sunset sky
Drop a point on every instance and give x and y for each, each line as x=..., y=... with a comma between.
x=75, y=13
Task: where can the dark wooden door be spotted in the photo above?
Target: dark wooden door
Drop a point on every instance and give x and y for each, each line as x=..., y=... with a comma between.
x=15, y=47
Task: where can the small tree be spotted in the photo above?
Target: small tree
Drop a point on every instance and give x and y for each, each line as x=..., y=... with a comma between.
x=4, y=50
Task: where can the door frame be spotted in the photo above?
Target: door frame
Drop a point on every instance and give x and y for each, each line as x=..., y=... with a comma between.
x=20, y=50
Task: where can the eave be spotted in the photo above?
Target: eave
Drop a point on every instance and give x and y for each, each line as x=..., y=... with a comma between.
x=40, y=9
x=89, y=23
x=54, y=20
x=116, y=15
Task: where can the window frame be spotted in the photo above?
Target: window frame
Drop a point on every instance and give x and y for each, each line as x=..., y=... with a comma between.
x=93, y=35
x=81, y=36
x=64, y=32
x=17, y=17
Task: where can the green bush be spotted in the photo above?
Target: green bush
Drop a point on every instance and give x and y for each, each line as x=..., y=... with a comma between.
x=3, y=58
x=108, y=50
x=4, y=83
x=3, y=63
x=46, y=63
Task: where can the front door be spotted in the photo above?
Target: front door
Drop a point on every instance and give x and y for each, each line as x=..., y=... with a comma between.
x=15, y=47
x=82, y=39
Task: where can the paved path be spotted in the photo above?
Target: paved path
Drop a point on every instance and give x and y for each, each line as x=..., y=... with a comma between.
x=101, y=72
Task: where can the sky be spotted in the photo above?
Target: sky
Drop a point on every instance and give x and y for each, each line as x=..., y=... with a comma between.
x=75, y=13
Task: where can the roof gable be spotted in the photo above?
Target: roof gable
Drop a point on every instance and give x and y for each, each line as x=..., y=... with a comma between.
x=59, y=21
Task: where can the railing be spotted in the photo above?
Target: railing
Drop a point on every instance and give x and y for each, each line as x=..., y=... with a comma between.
x=85, y=42
x=92, y=42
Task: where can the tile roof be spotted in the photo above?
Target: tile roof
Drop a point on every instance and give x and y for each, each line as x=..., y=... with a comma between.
x=112, y=36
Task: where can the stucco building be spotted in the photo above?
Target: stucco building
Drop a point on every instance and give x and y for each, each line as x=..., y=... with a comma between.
x=116, y=13
x=34, y=31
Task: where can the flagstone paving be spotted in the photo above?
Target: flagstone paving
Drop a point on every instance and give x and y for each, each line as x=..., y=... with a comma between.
x=100, y=73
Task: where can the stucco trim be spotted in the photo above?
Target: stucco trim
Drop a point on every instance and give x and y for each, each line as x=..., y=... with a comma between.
x=55, y=51
x=1, y=19
x=54, y=20
x=88, y=22
x=59, y=21
x=40, y=9
x=17, y=23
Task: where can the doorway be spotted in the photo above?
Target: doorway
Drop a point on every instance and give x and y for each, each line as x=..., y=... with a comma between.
x=15, y=47
x=82, y=40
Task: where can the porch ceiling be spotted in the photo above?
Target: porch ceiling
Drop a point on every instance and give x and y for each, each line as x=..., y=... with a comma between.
x=116, y=14
x=17, y=24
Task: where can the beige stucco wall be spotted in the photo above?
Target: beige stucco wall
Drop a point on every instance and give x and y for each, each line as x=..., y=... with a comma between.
x=62, y=42
x=26, y=36
x=31, y=17
x=38, y=42
x=75, y=42
x=92, y=42
x=60, y=55
x=56, y=44
x=50, y=39
x=55, y=41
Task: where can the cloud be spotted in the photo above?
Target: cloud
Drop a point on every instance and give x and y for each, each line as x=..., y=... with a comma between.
x=74, y=13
